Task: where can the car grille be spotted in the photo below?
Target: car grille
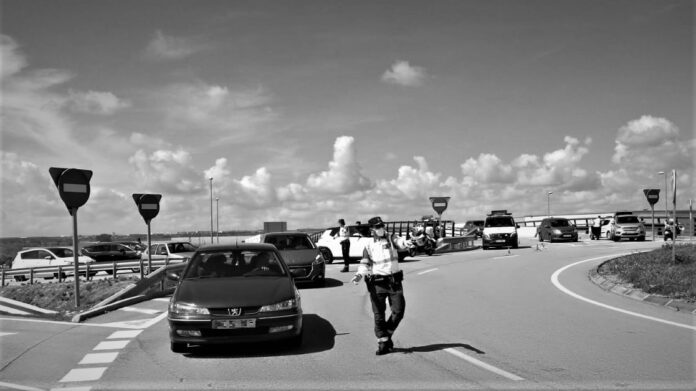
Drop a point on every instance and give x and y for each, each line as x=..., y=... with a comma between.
x=233, y=332
x=300, y=271
x=224, y=311
x=500, y=236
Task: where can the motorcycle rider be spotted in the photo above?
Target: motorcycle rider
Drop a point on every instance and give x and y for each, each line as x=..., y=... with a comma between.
x=380, y=267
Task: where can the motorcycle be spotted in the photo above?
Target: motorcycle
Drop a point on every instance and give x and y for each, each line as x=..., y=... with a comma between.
x=669, y=233
x=421, y=243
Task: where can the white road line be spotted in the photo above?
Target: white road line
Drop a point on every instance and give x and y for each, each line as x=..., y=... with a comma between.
x=483, y=365
x=14, y=311
x=427, y=271
x=83, y=374
x=163, y=299
x=112, y=345
x=507, y=256
x=4, y=334
x=122, y=334
x=554, y=281
x=18, y=387
x=72, y=388
x=98, y=358
x=140, y=310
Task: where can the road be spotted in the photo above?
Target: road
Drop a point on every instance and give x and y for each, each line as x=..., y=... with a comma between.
x=525, y=319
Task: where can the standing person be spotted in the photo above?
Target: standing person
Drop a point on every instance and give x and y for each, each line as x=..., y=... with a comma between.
x=343, y=235
x=597, y=228
x=380, y=267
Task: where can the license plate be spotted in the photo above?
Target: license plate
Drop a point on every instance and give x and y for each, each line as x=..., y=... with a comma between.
x=500, y=241
x=234, y=324
x=566, y=235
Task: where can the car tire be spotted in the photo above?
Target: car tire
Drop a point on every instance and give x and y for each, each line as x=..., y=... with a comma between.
x=641, y=238
x=327, y=254
x=179, y=347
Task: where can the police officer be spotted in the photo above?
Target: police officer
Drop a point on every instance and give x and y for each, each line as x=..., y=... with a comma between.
x=380, y=268
x=343, y=235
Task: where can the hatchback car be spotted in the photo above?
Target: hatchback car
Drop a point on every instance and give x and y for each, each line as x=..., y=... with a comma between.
x=46, y=257
x=556, y=228
x=172, y=251
x=234, y=293
x=305, y=261
x=360, y=235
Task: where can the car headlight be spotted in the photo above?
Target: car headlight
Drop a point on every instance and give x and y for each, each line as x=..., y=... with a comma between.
x=318, y=260
x=556, y=231
x=280, y=306
x=186, y=309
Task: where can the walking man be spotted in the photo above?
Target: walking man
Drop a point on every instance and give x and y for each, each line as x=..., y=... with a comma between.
x=343, y=235
x=380, y=267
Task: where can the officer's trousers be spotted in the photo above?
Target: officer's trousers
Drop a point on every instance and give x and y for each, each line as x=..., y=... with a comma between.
x=380, y=294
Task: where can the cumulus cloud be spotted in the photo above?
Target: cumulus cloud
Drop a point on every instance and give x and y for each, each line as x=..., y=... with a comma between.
x=12, y=61
x=167, y=171
x=405, y=74
x=641, y=141
x=95, y=102
x=344, y=173
x=168, y=47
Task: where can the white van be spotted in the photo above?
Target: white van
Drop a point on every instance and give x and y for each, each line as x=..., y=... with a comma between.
x=499, y=230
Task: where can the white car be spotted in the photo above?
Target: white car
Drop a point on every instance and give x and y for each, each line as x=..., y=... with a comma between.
x=173, y=251
x=40, y=257
x=359, y=236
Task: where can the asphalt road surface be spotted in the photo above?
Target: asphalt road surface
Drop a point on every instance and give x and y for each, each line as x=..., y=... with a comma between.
x=524, y=319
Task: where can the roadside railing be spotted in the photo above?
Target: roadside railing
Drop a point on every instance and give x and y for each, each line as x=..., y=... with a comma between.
x=87, y=270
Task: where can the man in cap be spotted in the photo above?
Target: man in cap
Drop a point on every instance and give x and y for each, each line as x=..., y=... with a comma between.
x=380, y=267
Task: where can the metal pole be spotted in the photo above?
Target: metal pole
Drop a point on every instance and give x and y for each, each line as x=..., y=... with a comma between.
x=652, y=224
x=76, y=266
x=149, y=253
x=674, y=206
x=211, y=210
x=548, y=203
x=217, y=219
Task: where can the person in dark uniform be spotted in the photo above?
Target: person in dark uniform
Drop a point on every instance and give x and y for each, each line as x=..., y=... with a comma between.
x=383, y=278
x=343, y=235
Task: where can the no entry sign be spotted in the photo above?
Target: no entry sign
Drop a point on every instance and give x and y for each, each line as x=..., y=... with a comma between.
x=148, y=205
x=653, y=195
x=73, y=185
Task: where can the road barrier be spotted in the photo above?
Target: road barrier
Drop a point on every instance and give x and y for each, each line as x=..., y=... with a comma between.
x=456, y=243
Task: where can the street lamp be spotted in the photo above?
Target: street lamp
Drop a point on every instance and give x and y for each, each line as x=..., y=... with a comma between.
x=211, y=210
x=217, y=219
x=548, y=203
x=666, y=208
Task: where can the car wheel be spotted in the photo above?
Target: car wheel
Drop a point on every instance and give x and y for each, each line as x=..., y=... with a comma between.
x=62, y=275
x=516, y=245
x=484, y=247
x=641, y=238
x=402, y=255
x=179, y=347
x=326, y=253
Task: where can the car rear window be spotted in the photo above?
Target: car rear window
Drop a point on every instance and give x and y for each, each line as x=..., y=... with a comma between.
x=181, y=248
x=239, y=263
x=290, y=242
x=62, y=252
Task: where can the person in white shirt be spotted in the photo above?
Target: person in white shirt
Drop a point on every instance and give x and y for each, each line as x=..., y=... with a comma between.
x=383, y=278
x=343, y=235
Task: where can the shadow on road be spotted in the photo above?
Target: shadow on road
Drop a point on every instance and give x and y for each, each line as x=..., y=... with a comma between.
x=319, y=335
x=328, y=283
x=437, y=346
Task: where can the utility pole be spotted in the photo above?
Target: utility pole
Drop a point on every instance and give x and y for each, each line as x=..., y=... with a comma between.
x=211, y=210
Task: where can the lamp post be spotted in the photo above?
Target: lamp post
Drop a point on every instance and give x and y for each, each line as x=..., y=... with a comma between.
x=548, y=203
x=211, y=210
x=666, y=207
x=217, y=219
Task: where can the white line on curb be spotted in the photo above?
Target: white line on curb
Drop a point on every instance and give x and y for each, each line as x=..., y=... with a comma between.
x=554, y=280
x=483, y=365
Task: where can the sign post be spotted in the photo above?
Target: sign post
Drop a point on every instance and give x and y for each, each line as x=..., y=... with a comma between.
x=439, y=205
x=148, y=206
x=653, y=195
x=73, y=188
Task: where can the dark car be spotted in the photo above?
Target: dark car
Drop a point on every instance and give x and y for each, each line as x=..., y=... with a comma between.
x=234, y=293
x=109, y=252
x=557, y=228
x=304, y=259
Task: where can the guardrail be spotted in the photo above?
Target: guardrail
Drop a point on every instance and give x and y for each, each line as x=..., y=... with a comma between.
x=88, y=270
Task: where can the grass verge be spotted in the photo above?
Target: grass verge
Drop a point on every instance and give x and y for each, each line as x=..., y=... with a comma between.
x=654, y=272
x=60, y=296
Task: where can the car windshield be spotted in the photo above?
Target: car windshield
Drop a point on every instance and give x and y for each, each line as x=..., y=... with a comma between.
x=181, y=247
x=240, y=263
x=290, y=242
x=560, y=223
x=627, y=220
x=502, y=221
x=62, y=252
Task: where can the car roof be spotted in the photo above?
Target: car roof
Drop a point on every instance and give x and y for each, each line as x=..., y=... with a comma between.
x=238, y=246
x=284, y=233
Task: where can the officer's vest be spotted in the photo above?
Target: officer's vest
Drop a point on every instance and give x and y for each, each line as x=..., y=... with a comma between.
x=383, y=256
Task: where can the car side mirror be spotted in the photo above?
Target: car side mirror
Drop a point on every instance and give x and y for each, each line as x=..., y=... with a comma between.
x=174, y=276
x=517, y=226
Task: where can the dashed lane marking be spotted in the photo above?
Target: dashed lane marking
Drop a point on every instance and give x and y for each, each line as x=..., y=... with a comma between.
x=111, y=345
x=427, y=271
x=507, y=256
x=124, y=334
x=554, y=281
x=83, y=374
x=99, y=358
x=483, y=365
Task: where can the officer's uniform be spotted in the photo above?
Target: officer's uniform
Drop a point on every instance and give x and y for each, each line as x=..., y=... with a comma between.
x=383, y=278
x=344, y=237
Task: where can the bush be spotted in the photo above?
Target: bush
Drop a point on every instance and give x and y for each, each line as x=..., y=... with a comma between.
x=654, y=272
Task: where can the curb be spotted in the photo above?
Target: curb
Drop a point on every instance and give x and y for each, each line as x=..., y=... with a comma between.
x=637, y=294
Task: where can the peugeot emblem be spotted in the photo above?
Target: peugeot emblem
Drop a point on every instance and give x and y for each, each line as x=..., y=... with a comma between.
x=234, y=311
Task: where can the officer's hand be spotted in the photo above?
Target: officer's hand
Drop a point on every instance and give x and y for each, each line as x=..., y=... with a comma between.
x=356, y=279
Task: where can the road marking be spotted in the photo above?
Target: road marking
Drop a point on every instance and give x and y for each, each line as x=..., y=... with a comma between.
x=18, y=387
x=554, y=281
x=427, y=271
x=483, y=365
x=83, y=374
x=163, y=299
x=13, y=311
x=98, y=358
x=112, y=345
x=4, y=334
x=124, y=334
x=72, y=389
x=140, y=310
x=507, y=256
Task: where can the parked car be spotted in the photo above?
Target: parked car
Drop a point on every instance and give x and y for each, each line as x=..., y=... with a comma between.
x=260, y=300
x=360, y=235
x=137, y=246
x=625, y=225
x=556, y=228
x=304, y=259
x=109, y=252
x=499, y=230
x=39, y=257
x=173, y=251
x=474, y=227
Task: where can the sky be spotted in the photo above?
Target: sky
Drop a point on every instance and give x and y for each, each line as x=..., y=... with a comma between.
x=311, y=111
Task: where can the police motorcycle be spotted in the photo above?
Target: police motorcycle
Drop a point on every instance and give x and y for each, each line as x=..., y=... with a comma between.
x=420, y=242
x=669, y=232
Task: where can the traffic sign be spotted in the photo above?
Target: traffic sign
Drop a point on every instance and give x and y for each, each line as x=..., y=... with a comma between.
x=73, y=185
x=148, y=205
x=439, y=204
x=653, y=195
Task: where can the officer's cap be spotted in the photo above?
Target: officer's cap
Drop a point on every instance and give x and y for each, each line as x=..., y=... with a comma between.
x=376, y=222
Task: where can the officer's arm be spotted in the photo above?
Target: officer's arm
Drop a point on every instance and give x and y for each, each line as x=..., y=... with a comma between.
x=365, y=267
